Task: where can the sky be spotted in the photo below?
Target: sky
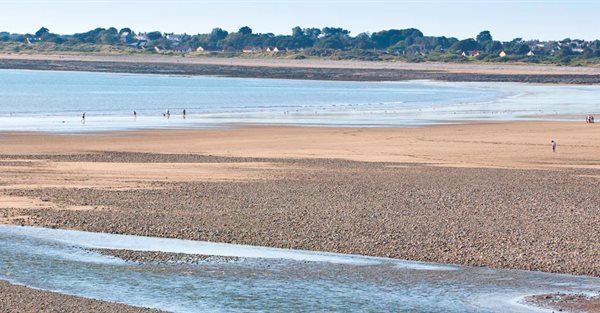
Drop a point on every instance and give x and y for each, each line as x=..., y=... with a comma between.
x=506, y=19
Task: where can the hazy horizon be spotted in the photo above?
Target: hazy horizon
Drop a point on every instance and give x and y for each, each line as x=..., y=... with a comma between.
x=508, y=19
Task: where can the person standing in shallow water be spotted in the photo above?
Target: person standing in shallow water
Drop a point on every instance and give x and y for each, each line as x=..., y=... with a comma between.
x=553, y=146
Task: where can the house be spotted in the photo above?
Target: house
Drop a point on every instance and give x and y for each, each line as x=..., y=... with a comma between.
x=31, y=40
x=172, y=37
x=250, y=49
x=502, y=54
x=123, y=36
x=139, y=44
x=274, y=49
x=530, y=53
x=181, y=49
x=577, y=50
x=141, y=36
x=200, y=49
x=471, y=53
x=178, y=49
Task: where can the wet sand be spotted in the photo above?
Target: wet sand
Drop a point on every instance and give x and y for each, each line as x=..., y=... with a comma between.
x=19, y=299
x=500, y=145
x=305, y=69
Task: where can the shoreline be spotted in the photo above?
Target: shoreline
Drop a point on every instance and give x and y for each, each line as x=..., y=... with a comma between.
x=305, y=69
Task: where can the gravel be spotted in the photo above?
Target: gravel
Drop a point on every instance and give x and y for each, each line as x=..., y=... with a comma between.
x=546, y=220
x=157, y=257
x=566, y=302
x=19, y=299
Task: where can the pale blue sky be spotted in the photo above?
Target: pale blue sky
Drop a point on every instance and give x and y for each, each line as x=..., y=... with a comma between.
x=506, y=19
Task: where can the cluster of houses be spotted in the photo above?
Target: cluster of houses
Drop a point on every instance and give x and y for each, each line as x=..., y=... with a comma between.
x=252, y=49
x=140, y=41
x=537, y=47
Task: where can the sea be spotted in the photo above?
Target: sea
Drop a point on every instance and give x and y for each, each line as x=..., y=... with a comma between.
x=55, y=101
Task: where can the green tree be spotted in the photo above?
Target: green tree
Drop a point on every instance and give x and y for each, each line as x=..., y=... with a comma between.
x=484, y=37
x=363, y=41
x=213, y=40
x=109, y=36
x=155, y=35
x=467, y=45
x=41, y=32
x=335, y=31
x=245, y=30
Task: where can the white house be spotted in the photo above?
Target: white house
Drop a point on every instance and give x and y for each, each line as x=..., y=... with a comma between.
x=250, y=49
x=141, y=36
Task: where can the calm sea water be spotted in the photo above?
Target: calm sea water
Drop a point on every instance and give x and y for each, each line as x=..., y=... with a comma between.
x=265, y=279
x=55, y=101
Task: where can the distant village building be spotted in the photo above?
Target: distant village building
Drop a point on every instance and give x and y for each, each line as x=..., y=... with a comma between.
x=181, y=49
x=250, y=49
x=178, y=49
x=274, y=49
x=31, y=40
x=139, y=44
x=141, y=36
x=173, y=37
x=200, y=49
x=502, y=54
x=577, y=50
x=471, y=53
x=530, y=53
x=123, y=37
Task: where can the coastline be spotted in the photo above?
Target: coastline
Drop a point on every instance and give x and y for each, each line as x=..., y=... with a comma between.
x=306, y=69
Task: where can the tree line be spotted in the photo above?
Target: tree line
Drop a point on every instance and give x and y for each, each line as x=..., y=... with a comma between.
x=408, y=44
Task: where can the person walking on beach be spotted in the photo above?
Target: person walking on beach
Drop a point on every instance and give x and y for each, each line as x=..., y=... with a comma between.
x=553, y=146
x=184, y=113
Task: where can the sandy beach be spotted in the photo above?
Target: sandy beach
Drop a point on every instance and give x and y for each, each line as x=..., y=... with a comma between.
x=481, y=194
x=311, y=69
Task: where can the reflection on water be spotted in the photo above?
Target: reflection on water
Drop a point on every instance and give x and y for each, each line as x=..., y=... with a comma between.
x=54, y=101
x=264, y=279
